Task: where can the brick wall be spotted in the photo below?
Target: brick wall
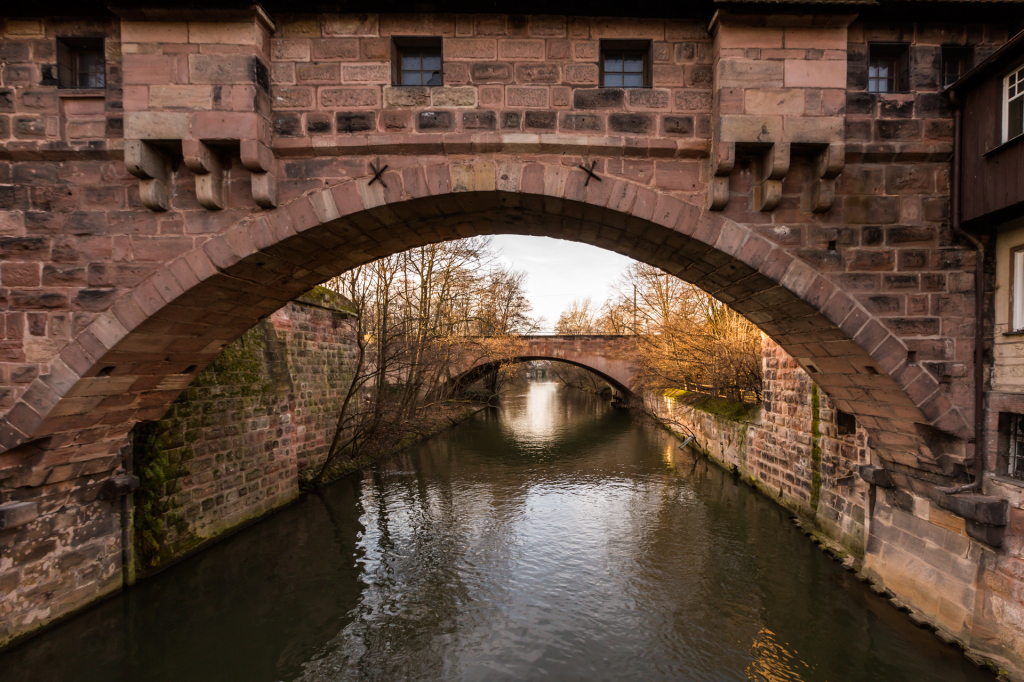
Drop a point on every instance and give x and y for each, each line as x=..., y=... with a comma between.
x=235, y=444
x=915, y=552
x=790, y=447
x=232, y=447
x=81, y=246
x=501, y=73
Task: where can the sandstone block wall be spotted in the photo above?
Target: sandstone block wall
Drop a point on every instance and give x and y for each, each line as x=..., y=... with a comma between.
x=234, y=445
x=790, y=446
x=520, y=112
x=918, y=553
x=501, y=73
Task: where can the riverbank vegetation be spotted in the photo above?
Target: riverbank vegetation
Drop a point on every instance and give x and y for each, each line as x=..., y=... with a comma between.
x=682, y=338
x=423, y=316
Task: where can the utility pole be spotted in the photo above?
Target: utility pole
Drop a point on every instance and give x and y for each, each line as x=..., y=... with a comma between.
x=634, y=308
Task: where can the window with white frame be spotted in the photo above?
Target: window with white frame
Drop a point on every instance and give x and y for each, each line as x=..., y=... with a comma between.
x=1013, y=105
x=1017, y=289
x=1011, y=428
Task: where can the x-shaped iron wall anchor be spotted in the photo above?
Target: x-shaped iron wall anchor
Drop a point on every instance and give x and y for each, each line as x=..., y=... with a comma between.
x=590, y=172
x=377, y=175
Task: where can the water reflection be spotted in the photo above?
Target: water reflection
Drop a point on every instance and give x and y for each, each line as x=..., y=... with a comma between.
x=553, y=539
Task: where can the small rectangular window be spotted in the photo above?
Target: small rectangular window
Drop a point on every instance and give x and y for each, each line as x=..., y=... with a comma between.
x=1014, y=444
x=1013, y=104
x=846, y=423
x=625, y=63
x=417, y=61
x=1017, y=289
x=888, y=68
x=956, y=61
x=81, y=63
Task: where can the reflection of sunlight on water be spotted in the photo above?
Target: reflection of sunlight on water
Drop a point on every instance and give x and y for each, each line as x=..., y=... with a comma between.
x=532, y=420
x=772, y=662
x=668, y=456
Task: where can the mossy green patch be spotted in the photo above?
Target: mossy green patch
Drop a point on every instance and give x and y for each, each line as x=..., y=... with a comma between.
x=164, y=448
x=325, y=298
x=720, y=407
x=154, y=516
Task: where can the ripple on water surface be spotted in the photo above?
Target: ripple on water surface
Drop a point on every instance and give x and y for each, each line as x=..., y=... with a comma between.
x=552, y=539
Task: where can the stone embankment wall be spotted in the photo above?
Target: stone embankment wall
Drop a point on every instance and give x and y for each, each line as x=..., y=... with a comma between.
x=923, y=557
x=235, y=444
x=789, y=446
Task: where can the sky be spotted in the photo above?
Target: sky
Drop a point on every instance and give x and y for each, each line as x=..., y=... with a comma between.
x=559, y=271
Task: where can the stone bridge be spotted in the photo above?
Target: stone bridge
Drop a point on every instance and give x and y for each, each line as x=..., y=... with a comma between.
x=606, y=355
x=233, y=160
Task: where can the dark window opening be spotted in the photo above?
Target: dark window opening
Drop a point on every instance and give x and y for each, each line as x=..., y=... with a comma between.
x=832, y=245
x=912, y=357
x=956, y=61
x=417, y=61
x=81, y=63
x=888, y=68
x=846, y=423
x=1012, y=429
x=625, y=63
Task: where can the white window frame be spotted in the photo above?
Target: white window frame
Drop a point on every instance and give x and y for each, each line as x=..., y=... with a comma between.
x=1018, y=87
x=1017, y=289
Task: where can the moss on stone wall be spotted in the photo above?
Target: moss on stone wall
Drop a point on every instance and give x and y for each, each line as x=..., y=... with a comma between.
x=163, y=448
x=325, y=298
x=155, y=516
x=720, y=407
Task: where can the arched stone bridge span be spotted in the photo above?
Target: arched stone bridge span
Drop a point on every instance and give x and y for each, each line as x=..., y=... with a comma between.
x=238, y=163
x=606, y=355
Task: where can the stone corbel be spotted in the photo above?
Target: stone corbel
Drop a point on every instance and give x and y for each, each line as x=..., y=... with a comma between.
x=821, y=192
x=723, y=161
x=773, y=168
x=259, y=158
x=204, y=162
x=153, y=169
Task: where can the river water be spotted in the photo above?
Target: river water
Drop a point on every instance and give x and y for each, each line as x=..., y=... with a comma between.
x=550, y=539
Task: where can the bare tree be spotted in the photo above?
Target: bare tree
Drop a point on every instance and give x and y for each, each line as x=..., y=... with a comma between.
x=685, y=338
x=421, y=313
x=580, y=317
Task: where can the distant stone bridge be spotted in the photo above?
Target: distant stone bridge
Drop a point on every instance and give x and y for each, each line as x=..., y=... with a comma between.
x=606, y=355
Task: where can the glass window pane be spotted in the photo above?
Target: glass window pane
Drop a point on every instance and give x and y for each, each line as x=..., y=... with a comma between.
x=883, y=70
x=613, y=80
x=91, y=80
x=872, y=71
x=634, y=64
x=1018, y=291
x=613, y=64
x=431, y=62
x=410, y=78
x=1015, y=118
x=634, y=80
x=432, y=78
x=410, y=61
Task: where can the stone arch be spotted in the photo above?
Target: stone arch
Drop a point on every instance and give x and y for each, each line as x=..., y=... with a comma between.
x=133, y=360
x=473, y=374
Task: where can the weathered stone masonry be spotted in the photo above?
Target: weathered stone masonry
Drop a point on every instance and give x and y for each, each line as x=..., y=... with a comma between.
x=917, y=550
x=226, y=168
x=231, y=448
x=237, y=442
x=790, y=446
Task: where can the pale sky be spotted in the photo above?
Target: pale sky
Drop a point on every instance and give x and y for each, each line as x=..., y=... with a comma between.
x=559, y=271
